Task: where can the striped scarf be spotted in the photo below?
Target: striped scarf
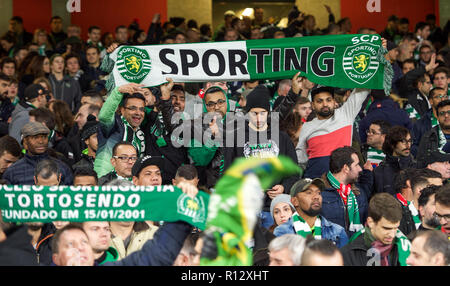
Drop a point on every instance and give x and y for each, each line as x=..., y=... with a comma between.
x=375, y=156
x=303, y=229
x=136, y=138
x=349, y=199
x=412, y=209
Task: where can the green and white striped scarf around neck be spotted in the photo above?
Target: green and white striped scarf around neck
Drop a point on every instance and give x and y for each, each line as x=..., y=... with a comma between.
x=302, y=228
x=138, y=140
x=352, y=204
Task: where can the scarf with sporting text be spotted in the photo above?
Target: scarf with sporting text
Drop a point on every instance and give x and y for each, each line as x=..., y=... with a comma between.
x=349, y=199
x=302, y=228
x=412, y=209
x=402, y=242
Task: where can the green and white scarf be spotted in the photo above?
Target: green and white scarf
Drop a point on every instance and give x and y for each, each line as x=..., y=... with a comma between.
x=302, y=228
x=402, y=242
x=346, y=61
x=138, y=140
x=412, y=209
x=349, y=199
x=375, y=156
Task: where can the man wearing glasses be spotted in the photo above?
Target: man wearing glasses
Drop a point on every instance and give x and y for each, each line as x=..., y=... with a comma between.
x=397, y=147
x=114, y=128
x=437, y=139
x=442, y=212
x=429, y=120
x=123, y=159
x=372, y=151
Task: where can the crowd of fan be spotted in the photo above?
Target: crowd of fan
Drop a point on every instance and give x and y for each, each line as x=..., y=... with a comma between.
x=56, y=118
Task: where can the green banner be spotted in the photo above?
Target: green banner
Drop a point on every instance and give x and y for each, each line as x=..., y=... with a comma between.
x=346, y=61
x=105, y=203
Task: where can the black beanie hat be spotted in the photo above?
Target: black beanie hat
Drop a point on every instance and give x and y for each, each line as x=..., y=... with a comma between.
x=89, y=128
x=259, y=97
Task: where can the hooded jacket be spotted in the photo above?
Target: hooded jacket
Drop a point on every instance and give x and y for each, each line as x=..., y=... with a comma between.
x=19, y=118
x=68, y=90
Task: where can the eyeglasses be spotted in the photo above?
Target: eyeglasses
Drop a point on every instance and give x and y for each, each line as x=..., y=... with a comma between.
x=439, y=217
x=125, y=158
x=134, y=108
x=368, y=132
x=404, y=141
x=443, y=113
x=440, y=96
x=212, y=104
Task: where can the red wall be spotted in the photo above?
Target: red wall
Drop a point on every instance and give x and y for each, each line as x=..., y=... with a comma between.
x=35, y=14
x=108, y=14
x=414, y=10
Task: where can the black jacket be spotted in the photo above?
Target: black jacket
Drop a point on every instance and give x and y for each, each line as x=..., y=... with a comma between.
x=420, y=127
x=44, y=245
x=385, y=173
x=17, y=250
x=406, y=223
x=428, y=143
x=265, y=143
x=158, y=141
x=86, y=162
x=355, y=254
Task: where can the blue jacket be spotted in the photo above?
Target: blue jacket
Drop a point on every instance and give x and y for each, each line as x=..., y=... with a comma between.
x=385, y=109
x=330, y=231
x=22, y=171
x=333, y=207
x=162, y=250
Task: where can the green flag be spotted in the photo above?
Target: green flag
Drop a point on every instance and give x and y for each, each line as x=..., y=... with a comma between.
x=105, y=203
x=235, y=205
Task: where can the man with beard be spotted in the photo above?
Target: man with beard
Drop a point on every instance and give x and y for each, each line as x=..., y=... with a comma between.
x=397, y=147
x=442, y=211
x=347, y=193
x=6, y=107
x=329, y=130
x=306, y=196
x=380, y=243
x=429, y=120
x=10, y=152
x=35, y=142
x=438, y=138
x=260, y=140
x=427, y=208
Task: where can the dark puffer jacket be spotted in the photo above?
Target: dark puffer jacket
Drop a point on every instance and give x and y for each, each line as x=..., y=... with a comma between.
x=385, y=173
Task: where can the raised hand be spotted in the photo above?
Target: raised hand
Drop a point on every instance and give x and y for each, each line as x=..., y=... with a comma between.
x=131, y=88
x=166, y=88
x=297, y=83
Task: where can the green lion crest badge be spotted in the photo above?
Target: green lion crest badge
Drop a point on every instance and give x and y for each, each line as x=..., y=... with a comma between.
x=192, y=207
x=133, y=64
x=360, y=63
